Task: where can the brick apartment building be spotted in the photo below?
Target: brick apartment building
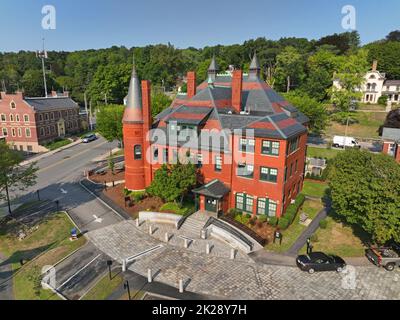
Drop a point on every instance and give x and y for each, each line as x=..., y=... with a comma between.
x=258, y=173
x=28, y=123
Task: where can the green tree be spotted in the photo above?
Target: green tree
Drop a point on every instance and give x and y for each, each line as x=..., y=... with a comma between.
x=159, y=102
x=365, y=191
x=32, y=83
x=393, y=36
x=321, y=67
x=109, y=121
x=312, y=108
x=110, y=83
x=388, y=55
x=173, y=182
x=14, y=176
x=350, y=73
x=289, y=70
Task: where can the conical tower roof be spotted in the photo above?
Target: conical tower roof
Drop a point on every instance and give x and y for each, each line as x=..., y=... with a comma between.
x=213, y=65
x=133, y=110
x=255, y=64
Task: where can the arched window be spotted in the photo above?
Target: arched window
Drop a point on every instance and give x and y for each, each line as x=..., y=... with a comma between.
x=137, y=151
x=11, y=117
x=28, y=132
x=372, y=76
x=13, y=105
x=374, y=86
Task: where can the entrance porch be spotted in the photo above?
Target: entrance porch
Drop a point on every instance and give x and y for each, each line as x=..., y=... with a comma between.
x=212, y=197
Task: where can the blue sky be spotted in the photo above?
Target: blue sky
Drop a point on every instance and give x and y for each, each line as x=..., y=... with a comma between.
x=86, y=24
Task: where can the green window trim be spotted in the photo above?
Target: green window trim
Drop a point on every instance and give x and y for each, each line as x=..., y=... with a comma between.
x=218, y=164
x=270, y=148
x=269, y=174
x=244, y=202
x=267, y=207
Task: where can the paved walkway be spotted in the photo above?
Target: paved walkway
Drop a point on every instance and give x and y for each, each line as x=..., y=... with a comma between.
x=6, y=283
x=308, y=232
x=234, y=279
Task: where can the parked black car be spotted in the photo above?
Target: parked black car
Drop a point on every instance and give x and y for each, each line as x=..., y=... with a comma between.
x=88, y=138
x=319, y=261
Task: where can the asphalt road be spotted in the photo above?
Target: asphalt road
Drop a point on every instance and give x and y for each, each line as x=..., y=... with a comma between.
x=66, y=166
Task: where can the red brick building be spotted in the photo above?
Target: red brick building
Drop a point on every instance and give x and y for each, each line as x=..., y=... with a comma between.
x=391, y=142
x=28, y=123
x=256, y=163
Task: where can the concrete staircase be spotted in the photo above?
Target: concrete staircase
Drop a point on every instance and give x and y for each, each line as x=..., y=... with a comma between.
x=194, y=224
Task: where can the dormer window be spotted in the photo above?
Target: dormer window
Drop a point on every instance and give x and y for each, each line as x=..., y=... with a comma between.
x=372, y=76
x=13, y=105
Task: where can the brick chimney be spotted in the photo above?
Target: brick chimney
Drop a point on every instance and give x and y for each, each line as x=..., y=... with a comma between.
x=375, y=65
x=146, y=104
x=237, y=84
x=147, y=122
x=191, y=84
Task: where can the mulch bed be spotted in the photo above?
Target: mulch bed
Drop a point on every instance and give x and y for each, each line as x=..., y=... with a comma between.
x=108, y=176
x=116, y=194
x=265, y=231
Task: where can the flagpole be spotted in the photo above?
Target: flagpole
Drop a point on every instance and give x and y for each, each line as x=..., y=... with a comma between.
x=44, y=72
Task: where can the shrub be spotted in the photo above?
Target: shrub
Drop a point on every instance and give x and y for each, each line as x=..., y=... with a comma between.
x=273, y=221
x=283, y=223
x=314, y=238
x=262, y=218
x=234, y=212
x=174, y=208
x=323, y=224
x=248, y=216
x=138, y=195
x=252, y=221
x=383, y=100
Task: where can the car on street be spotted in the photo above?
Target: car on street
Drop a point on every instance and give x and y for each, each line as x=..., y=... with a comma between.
x=319, y=261
x=387, y=257
x=89, y=138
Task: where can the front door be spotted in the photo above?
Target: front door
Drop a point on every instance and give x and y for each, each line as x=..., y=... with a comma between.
x=211, y=204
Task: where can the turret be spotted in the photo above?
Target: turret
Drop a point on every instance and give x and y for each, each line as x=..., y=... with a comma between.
x=213, y=69
x=133, y=132
x=254, y=69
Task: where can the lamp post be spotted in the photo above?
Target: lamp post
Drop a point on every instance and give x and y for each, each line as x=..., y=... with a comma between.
x=126, y=287
x=109, y=264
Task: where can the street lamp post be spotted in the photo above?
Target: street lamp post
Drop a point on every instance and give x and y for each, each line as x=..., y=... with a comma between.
x=126, y=287
x=109, y=264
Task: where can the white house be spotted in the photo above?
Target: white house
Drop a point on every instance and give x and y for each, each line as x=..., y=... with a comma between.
x=376, y=85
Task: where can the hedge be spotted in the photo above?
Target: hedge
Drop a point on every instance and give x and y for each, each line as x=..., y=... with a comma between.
x=283, y=223
x=292, y=211
x=273, y=221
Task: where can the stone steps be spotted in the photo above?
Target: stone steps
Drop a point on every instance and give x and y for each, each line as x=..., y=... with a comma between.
x=192, y=227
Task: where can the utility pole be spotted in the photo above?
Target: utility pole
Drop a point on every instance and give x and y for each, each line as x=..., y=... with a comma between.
x=87, y=111
x=90, y=115
x=43, y=55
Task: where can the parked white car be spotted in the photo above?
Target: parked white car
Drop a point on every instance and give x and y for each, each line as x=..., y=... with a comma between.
x=348, y=142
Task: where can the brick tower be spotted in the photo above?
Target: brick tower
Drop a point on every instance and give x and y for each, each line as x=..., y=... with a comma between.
x=133, y=132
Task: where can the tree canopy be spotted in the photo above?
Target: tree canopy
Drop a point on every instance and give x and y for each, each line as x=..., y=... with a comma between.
x=14, y=176
x=365, y=191
x=109, y=121
x=173, y=182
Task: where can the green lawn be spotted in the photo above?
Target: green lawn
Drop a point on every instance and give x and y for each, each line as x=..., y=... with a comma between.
x=50, y=241
x=375, y=107
x=314, y=152
x=105, y=287
x=290, y=235
x=57, y=144
x=340, y=239
x=314, y=189
x=367, y=126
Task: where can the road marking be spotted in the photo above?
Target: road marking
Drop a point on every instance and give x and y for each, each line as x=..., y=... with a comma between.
x=96, y=219
x=74, y=156
x=81, y=269
x=63, y=191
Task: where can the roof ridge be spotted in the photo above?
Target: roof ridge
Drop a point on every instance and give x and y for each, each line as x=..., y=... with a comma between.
x=277, y=128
